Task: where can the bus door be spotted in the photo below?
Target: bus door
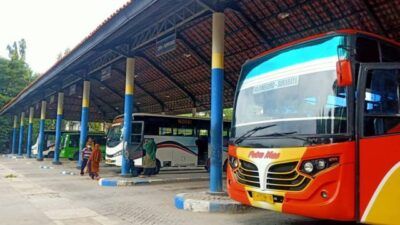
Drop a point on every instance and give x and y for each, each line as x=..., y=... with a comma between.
x=378, y=129
x=136, y=139
x=202, y=146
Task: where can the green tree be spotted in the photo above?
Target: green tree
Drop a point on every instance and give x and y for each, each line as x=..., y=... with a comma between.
x=62, y=54
x=15, y=75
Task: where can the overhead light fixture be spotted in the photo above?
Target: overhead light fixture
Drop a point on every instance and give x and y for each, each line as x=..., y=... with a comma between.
x=187, y=55
x=283, y=15
x=136, y=76
x=138, y=103
x=102, y=87
x=167, y=96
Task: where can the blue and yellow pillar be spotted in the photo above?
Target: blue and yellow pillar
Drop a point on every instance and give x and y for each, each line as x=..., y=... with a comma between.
x=84, y=118
x=29, y=138
x=128, y=109
x=41, y=144
x=14, y=135
x=60, y=105
x=21, y=134
x=217, y=102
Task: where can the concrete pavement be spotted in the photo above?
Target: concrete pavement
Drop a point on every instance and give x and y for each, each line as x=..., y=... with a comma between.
x=46, y=196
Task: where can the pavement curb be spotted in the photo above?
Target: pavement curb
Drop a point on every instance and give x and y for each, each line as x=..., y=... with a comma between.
x=189, y=202
x=115, y=182
x=107, y=182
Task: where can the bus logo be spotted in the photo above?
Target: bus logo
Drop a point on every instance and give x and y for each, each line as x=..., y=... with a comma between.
x=262, y=155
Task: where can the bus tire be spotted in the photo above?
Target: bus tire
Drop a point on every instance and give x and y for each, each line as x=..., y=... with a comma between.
x=139, y=170
x=76, y=156
x=50, y=155
x=158, y=166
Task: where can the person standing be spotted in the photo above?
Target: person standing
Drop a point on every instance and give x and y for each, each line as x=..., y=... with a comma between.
x=94, y=162
x=149, y=159
x=86, y=152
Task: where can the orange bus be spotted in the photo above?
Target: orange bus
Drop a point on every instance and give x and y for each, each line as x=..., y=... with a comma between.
x=316, y=129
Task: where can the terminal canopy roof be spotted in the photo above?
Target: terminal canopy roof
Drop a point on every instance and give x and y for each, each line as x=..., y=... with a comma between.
x=178, y=79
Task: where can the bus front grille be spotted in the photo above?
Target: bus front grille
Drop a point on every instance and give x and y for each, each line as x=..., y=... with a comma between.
x=247, y=174
x=285, y=177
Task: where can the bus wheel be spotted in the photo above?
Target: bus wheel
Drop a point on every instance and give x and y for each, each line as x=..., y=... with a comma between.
x=50, y=155
x=76, y=156
x=158, y=166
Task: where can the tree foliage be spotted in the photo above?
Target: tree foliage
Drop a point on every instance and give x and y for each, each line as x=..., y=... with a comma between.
x=15, y=75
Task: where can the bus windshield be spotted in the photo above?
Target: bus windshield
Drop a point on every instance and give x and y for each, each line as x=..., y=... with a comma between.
x=114, y=136
x=294, y=90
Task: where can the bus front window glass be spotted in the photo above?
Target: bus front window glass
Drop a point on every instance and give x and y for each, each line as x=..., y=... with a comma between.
x=63, y=141
x=295, y=91
x=74, y=141
x=114, y=136
x=382, y=102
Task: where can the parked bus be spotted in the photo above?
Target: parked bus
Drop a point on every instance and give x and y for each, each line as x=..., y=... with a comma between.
x=181, y=141
x=316, y=129
x=49, y=140
x=70, y=144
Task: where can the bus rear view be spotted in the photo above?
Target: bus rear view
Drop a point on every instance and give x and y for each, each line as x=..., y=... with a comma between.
x=294, y=143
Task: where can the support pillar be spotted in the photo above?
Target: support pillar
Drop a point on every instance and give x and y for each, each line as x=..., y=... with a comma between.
x=21, y=134
x=217, y=102
x=14, y=135
x=29, y=138
x=128, y=109
x=41, y=143
x=60, y=105
x=84, y=119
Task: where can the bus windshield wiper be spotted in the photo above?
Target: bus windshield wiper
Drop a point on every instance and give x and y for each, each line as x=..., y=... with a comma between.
x=251, y=132
x=285, y=134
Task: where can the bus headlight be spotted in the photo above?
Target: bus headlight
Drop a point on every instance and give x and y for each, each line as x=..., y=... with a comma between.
x=233, y=162
x=308, y=167
x=321, y=164
x=314, y=166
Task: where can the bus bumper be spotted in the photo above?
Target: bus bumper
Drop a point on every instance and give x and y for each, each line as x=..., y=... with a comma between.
x=329, y=194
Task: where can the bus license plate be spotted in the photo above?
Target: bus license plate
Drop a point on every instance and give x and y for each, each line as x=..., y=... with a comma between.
x=263, y=197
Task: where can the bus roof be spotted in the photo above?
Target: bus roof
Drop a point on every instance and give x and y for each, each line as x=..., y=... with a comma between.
x=326, y=34
x=166, y=116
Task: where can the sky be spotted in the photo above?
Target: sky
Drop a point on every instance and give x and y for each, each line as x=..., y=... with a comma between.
x=50, y=26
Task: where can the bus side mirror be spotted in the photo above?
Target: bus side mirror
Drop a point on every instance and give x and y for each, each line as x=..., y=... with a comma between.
x=343, y=71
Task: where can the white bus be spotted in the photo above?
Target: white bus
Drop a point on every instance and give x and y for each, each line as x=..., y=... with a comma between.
x=49, y=140
x=181, y=141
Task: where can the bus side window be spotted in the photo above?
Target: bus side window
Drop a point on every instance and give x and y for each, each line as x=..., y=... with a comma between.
x=101, y=140
x=185, y=132
x=367, y=50
x=382, y=114
x=165, y=131
x=202, y=133
x=390, y=53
